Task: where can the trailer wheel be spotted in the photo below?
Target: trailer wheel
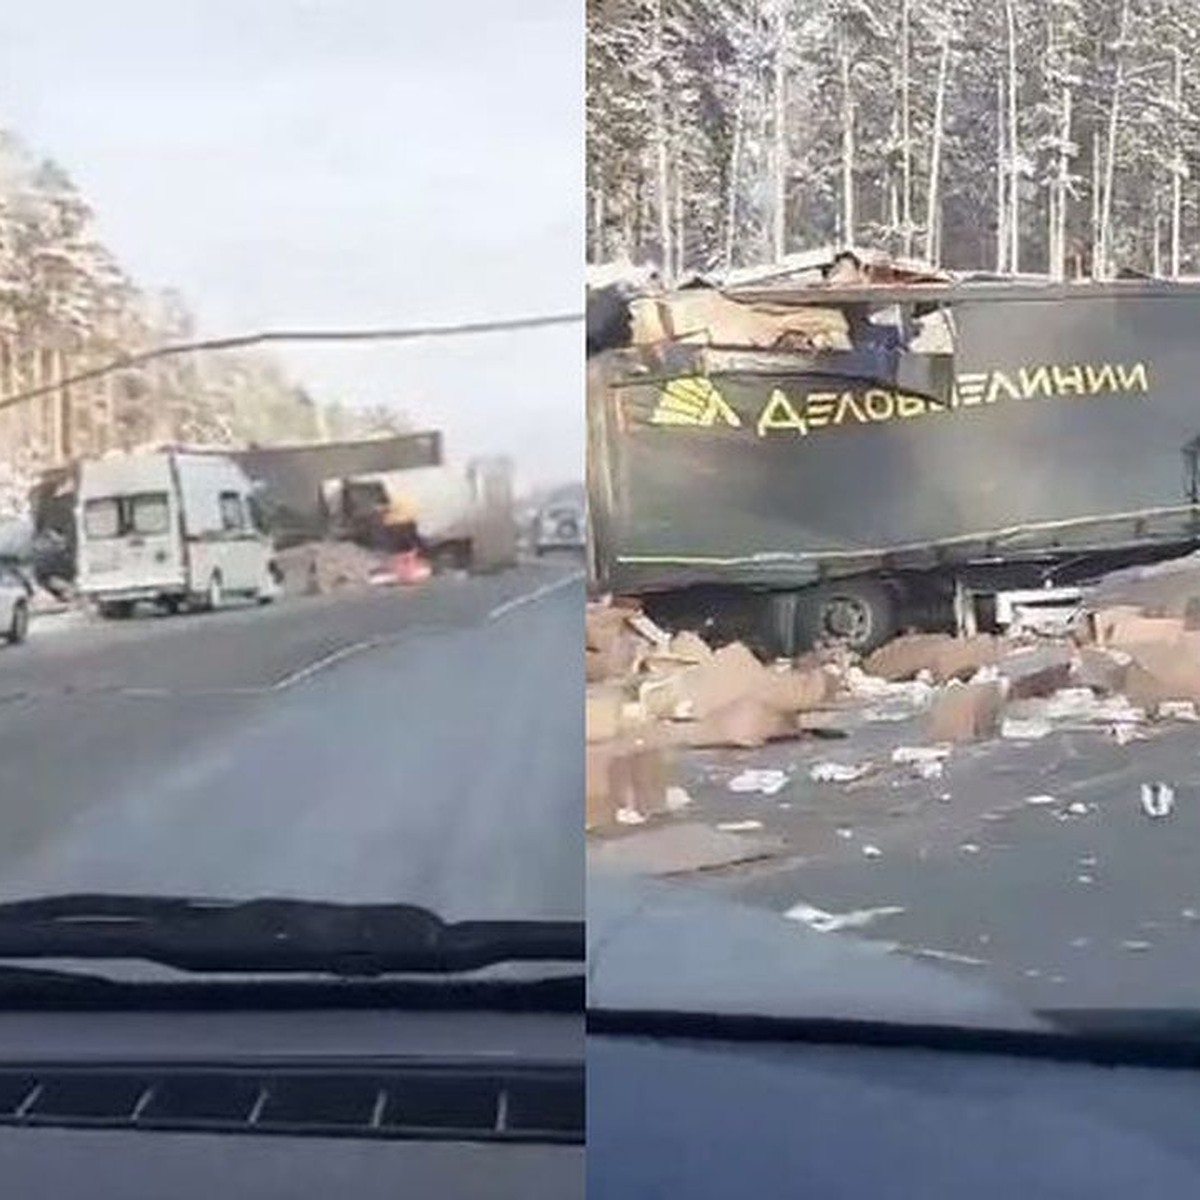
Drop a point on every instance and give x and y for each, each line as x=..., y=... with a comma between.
x=860, y=614
x=115, y=610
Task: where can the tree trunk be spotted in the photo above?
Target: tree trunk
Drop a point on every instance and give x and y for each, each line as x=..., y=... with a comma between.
x=1177, y=171
x=932, y=193
x=847, y=146
x=1110, y=156
x=734, y=173
x=1062, y=185
x=1001, y=182
x=906, y=196
x=680, y=239
x=598, y=224
x=1097, y=188
x=661, y=149
x=779, y=156
x=1014, y=163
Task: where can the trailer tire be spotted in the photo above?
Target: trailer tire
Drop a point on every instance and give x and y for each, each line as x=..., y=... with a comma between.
x=18, y=628
x=115, y=610
x=860, y=614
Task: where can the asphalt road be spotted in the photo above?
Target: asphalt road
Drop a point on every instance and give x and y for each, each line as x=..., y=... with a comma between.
x=420, y=745
x=1095, y=908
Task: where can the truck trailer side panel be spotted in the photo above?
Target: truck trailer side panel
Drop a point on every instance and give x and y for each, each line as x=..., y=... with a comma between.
x=1067, y=425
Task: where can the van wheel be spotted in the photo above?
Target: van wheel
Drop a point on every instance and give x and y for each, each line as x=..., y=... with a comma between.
x=860, y=614
x=214, y=597
x=18, y=627
x=269, y=593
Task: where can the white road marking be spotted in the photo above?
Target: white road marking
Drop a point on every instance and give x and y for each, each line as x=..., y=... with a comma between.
x=322, y=664
x=529, y=597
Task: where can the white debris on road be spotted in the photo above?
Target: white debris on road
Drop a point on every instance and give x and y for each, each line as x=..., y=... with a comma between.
x=832, y=772
x=1040, y=801
x=768, y=782
x=739, y=826
x=677, y=798
x=828, y=922
x=1158, y=799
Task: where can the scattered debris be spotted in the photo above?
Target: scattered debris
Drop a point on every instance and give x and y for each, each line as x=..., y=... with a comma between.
x=917, y=754
x=677, y=798
x=1085, y=879
x=1158, y=799
x=630, y=816
x=1040, y=801
x=1135, y=944
x=844, y=833
x=739, y=826
x=827, y=922
x=1077, y=808
x=1024, y=729
x=969, y=848
x=832, y=772
x=766, y=781
x=1177, y=710
x=870, y=851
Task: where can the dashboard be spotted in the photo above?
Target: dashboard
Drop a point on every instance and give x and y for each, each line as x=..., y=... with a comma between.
x=704, y=1119
x=291, y=1104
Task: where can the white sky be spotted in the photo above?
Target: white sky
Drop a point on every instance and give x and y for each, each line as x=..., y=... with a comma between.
x=339, y=162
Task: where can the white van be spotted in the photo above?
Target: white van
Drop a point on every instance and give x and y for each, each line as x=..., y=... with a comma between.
x=173, y=527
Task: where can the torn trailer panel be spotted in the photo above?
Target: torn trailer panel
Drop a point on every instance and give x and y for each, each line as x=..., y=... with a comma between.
x=955, y=424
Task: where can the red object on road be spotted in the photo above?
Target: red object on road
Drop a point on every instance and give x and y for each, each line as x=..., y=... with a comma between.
x=410, y=567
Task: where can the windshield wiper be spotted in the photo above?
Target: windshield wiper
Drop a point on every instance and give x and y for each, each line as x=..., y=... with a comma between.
x=275, y=935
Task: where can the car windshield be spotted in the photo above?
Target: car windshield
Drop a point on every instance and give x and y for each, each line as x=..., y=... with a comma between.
x=893, y=471
x=260, y=277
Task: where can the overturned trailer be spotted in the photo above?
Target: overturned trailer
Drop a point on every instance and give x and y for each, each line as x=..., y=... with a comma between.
x=841, y=460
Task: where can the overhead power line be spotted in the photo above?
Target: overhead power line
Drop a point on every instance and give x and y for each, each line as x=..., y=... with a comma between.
x=240, y=341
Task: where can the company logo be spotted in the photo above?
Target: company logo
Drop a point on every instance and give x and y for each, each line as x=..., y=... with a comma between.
x=695, y=402
x=698, y=403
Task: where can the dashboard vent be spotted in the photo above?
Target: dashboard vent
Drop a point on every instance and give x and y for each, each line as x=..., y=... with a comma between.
x=530, y=1103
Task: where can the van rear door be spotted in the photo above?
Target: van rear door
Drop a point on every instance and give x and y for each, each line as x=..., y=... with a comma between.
x=129, y=542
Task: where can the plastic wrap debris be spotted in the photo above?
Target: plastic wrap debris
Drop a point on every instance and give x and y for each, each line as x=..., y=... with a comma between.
x=870, y=851
x=1041, y=801
x=828, y=922
x=1077, y=808
x=767, y=782
x=926, y=762
x=1177, y=710
x=1158, y=799
x=739, y=826
x=832, y=772
x=677, y=798
x=910, y=755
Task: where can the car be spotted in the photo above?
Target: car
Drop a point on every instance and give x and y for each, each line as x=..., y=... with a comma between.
x=15, y=594
x=560, y=526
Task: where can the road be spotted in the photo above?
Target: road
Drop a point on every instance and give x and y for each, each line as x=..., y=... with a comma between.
x=1099, y=907
x=419, y=745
